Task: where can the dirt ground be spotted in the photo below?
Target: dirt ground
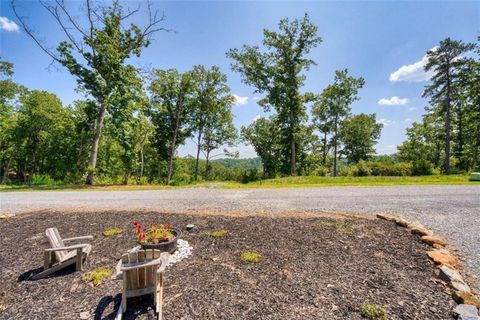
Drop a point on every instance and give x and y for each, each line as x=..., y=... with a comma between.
x=311, y=268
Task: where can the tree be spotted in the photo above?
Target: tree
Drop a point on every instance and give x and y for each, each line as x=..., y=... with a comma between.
x=445, y=61
x=323, y=121
x=359, y=134
x=336, y=100
x=263, y=135
x=98, y=60
x=212, y=118
x=278, y=72
x=8, y=118
x=171, y=111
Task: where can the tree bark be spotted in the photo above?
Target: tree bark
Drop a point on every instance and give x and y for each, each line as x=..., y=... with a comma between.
x=335, y=147
x=325, y=148
x=198, y=153
x=92, y=162
x=293, y=156
x=173, y=144
x=207, y=169
x=446, y=166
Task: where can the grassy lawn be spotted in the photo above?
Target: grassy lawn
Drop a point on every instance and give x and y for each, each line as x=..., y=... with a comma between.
x=288, y=182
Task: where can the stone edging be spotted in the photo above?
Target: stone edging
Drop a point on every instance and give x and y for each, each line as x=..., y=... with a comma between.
x=468, y=305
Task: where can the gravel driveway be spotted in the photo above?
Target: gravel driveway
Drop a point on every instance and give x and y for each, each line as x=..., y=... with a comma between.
x=451, y=211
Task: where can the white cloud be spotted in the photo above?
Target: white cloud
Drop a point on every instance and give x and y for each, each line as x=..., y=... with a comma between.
x=385, y=122
x=8, y=25
x=239, y=100
x=393, y=101
x=412, y=109
x=413, y=72
x=257, y=117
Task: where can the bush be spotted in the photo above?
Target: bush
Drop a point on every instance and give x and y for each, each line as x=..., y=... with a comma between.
x=181, y=179
x=374, y=312
x=250, y=256
x=422, y=167
x=44, y=180
x=321, y=172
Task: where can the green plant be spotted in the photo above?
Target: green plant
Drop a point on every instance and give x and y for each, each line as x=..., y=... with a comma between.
x=155, y=233
x=112, y=232
x=343, y=227
x=218, y=233
x=422, y=167
x=98, y=275
x=374, y=312
x=250, y=256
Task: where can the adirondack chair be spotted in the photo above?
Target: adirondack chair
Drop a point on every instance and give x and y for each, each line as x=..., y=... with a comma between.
x=142, y=273
x=59, y=256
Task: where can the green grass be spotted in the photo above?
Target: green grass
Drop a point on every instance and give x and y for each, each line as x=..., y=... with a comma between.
x=251, y=257
x=112, y=232
x=314, y=181
x=287, y=182
x=218, y=233
x=374, y=312
x=98, y=275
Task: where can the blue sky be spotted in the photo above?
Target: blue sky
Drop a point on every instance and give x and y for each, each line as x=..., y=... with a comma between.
x=382, y=41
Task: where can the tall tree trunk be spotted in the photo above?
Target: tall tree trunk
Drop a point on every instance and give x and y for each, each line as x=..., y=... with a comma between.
x=79, y=157
x=92, y=162
x=197, y=160
x=460, y=147
x=324, y=161
x=335, y=147
x=207, y=169
x=141, y=162
x=173, y=144
x=293, y=154
x=446, y=166
x=7, y=167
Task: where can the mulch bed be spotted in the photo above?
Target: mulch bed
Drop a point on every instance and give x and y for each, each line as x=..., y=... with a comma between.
x=311, y=268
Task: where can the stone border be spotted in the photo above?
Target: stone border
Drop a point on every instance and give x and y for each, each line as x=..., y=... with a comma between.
x=468, y=305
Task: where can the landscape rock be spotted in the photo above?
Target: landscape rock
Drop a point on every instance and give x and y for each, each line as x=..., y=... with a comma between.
x=431, y=240
x=462, y=297
x=465, y=310
x=468, y=318
x=386, y=217
x=421, y=231
x=402, y=222
x=449, y=274
x=85, y=315
x=442, y=257
x=460, y=286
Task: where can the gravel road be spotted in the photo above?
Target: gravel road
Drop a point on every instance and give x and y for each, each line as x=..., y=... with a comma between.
x=451, y=211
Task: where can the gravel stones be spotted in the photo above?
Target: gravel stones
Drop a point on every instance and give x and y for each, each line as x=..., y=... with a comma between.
x=466, y=311
x=184, y=250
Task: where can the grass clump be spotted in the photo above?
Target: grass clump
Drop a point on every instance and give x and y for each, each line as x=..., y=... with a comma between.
x=112, y=232
x=250, y=256
x=98, y=275
x=218, y=233
x=343, y=227
x=374, y=312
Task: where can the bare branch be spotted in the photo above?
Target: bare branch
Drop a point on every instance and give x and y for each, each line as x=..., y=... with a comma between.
x=56, y=15
x=130, y=13
x=62, y=6
x=32, y=35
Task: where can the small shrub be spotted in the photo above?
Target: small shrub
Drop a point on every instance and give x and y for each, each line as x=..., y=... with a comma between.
x=250, y=256
x=218, y=233
x=422, y=167
x=362, y=169
x=112, y=232
x=98, y=275
x=374, y=312
x=343, y=227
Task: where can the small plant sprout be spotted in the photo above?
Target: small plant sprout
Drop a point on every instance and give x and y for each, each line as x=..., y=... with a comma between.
x=343, y=227
x=98, y=275
x=112, y=232
x=250, y=256
x=218, y=233
x=374, y=312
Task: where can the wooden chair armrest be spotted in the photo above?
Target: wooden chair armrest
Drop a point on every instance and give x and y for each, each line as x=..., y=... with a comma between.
x=133, y=266
x=77, y=246
x=79, y=238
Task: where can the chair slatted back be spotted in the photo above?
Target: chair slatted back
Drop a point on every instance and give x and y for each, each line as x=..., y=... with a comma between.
x=56, y=241
x=143, y=277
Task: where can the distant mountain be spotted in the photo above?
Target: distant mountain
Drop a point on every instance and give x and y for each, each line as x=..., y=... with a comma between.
x=248, y=163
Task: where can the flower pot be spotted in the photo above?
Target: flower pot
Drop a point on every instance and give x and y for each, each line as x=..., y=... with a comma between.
x=168, y=246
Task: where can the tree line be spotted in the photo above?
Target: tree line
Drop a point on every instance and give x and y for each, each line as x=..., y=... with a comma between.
x=131, y=122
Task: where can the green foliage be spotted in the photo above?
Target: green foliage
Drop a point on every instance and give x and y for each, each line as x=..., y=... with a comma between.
x=422, y=167
x=112, y=232
x=97, y=276
x=343, y=227
x=359, y=134
x=282, y=62
x=374, y=312
x=376, y=168
x=218, y=233
x=251, y=257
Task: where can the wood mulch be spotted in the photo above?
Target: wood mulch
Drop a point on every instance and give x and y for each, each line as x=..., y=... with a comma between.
x=311, y=268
